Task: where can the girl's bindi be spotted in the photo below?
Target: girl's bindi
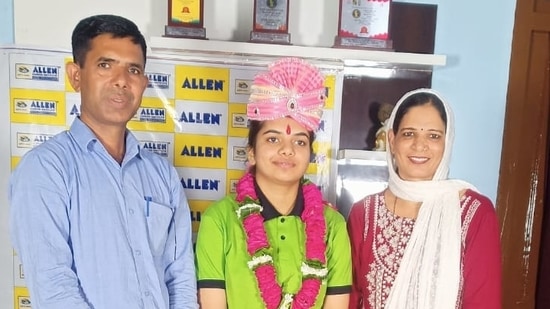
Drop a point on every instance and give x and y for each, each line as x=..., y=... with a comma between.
x=288, y=130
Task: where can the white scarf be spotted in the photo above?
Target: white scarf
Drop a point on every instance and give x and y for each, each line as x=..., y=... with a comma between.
x=429, y=274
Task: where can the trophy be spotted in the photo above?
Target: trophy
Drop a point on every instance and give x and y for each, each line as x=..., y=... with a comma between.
x=270, y=22
x=185, y=19
x=364, y=24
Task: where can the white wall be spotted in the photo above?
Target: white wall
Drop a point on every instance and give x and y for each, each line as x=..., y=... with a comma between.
x=475, y=35
x=312, y=23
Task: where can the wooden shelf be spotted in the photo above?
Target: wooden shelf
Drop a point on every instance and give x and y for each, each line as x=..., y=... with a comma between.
x=258, y=54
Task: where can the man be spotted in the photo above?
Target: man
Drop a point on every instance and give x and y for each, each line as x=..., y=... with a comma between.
x=97, y=221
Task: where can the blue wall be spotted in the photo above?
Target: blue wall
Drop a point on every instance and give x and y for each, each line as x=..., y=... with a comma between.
x=6, y=22
x=476, y=37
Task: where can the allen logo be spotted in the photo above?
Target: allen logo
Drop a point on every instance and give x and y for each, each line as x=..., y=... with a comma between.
x=49, y=73
x=200, y=151
x=22, y=69
x=152, y=114
x=43, y=70
x=30, y=140
x=160, y=148
x=200, y=184
x=36, y=72
x=242, y=86
x=43, y=105
x=31, y=106
x=239, y=153
x=239, y=121
x=206, y=118
x=158, y=80
x=39, y=139
x=203, y=84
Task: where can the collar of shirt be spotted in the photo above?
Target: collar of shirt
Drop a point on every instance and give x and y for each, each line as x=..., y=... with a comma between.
x=86, y=139
x=269, y=211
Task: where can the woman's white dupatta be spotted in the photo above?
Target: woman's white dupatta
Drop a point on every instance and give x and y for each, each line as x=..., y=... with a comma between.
x=429, y=273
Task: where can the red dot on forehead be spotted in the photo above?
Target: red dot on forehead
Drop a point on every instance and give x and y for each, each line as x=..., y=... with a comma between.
x=288, y=130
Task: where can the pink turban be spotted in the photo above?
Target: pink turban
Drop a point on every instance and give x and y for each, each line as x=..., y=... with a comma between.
x=292, y=88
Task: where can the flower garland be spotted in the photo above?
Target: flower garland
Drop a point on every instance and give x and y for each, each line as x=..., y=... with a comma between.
x=313, y=269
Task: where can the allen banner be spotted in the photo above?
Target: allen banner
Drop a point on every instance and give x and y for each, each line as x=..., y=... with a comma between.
x=192, y=113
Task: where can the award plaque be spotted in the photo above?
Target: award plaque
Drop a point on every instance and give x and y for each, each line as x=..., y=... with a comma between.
x=270, y=22
x=185, y=19
x=364, y=24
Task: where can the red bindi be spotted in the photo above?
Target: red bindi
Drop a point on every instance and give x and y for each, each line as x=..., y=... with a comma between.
x=288, y=130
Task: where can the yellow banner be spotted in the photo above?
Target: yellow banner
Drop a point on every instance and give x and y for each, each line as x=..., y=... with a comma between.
x=37, y=106
x=14, y=162
x=68, y=87
x=202, y=83
x=21, y=298
x=201, y=151
x=321, y=151
x=237, y=120
x=330, y=83
x=154, y=114
x=233, y=177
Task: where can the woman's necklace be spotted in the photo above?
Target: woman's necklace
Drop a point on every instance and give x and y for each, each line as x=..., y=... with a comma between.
x=313, y=269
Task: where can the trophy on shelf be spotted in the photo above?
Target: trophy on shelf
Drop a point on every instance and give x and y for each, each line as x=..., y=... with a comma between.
x=185, y=19
x=270, y=22
x=364, y=24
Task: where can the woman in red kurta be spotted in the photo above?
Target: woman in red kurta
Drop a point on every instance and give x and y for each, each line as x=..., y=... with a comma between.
x=426, y=241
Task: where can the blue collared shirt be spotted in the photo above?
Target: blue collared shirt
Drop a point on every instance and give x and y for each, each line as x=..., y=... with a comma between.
x=92, y=233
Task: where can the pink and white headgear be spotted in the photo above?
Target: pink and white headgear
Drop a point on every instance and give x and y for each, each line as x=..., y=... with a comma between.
x=292, y=88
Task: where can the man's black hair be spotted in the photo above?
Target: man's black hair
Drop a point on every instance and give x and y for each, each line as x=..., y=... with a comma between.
x=88, y=28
